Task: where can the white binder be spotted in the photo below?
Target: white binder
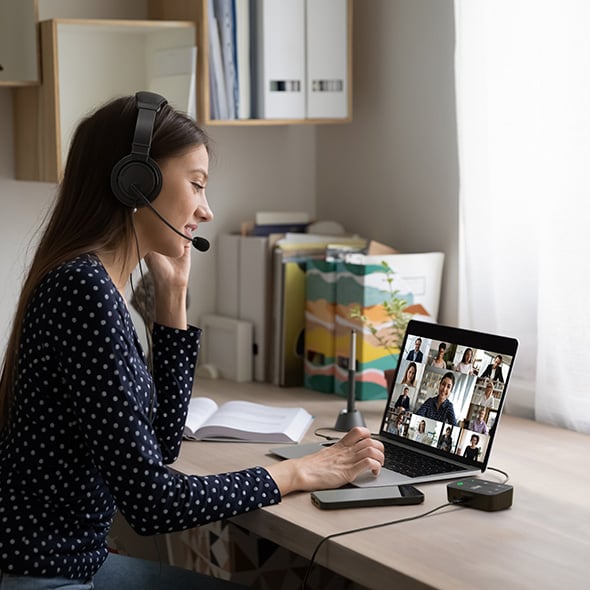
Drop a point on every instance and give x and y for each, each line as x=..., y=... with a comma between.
x=228, y=275
x=327, y=58
x=243, y=290
x=254, y=297
x=280, y=59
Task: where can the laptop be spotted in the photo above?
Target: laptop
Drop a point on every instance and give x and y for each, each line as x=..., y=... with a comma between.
x=443, y=408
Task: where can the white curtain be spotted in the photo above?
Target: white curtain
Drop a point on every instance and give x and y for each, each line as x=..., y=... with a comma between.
x=523, y=109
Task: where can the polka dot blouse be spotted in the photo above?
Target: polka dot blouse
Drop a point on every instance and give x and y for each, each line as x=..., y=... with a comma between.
x=81, y=443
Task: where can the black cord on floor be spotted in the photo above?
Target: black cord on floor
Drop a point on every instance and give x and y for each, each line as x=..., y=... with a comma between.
x=366, y=528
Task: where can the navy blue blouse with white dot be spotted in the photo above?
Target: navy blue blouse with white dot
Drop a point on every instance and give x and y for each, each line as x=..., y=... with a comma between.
x=81, y=444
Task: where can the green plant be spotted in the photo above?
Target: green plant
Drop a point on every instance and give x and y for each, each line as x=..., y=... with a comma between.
x=390, y=338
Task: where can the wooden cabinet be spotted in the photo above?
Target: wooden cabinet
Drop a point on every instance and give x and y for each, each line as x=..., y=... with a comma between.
x=19, y=58
x=84, y=64
x=197, y=11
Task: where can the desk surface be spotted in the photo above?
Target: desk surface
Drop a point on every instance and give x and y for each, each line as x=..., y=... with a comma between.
x=541, y=542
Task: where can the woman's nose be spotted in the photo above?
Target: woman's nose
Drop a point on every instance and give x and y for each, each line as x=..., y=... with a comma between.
x=204, y=212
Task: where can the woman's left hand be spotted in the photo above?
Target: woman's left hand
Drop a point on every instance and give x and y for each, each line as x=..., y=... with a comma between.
x=170, y=277
x=170, y=273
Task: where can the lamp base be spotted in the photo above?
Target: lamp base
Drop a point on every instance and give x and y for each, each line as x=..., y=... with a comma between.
x=347, y=420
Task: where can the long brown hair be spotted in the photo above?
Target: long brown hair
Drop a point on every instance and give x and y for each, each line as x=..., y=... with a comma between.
x=87, y=217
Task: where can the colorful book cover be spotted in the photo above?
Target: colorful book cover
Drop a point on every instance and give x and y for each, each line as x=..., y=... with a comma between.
x=320, y=313
x=365, y=285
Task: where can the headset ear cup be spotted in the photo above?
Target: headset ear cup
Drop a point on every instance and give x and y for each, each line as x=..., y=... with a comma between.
x=145, y=175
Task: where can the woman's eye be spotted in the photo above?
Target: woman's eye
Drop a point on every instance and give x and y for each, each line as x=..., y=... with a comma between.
x=197, y=186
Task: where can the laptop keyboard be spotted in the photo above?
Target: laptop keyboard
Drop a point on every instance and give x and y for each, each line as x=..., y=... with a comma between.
x=414, y=464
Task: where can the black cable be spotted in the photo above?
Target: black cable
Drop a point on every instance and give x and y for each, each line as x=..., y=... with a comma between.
x=148, y=336
x=317, y=432
x=502, y=472
x=149, y=359
x=366, y=528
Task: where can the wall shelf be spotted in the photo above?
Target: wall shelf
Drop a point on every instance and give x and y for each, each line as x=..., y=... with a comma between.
x=197, y=11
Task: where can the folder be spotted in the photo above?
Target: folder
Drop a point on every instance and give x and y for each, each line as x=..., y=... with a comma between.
x=227, y=345
x=228, y=275
x=225, y=15
x=291, y=255
x=254, y=297
x=219, y=103
x=327, y=58
x=320, y=313
x=244, y=110
x=279, y=59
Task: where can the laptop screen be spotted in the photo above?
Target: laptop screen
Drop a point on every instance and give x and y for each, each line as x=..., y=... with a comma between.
x=449, y=390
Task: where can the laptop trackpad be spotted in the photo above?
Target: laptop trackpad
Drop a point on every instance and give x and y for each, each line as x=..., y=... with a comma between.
x=300, y=450
x=385, y=478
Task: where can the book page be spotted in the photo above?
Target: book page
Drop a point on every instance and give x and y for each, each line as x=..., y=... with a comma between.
x=200, y=409
x=257, y=422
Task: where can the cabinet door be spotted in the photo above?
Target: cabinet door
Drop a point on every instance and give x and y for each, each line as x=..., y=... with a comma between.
x=19, y=60
x=86, y=63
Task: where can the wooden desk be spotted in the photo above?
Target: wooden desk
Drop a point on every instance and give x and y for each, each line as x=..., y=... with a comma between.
x=541, y=542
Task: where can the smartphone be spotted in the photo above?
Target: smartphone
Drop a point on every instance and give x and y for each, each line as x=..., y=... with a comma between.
x=359, y=497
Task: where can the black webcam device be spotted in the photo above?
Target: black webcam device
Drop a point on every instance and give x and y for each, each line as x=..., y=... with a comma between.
x=480, y=494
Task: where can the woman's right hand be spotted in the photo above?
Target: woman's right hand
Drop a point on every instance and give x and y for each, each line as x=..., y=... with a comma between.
x=332, y=467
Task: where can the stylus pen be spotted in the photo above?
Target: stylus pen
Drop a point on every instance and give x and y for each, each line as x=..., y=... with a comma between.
x=351, y=371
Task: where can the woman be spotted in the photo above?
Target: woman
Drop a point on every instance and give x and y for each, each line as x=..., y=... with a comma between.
x=86, y=427
x=438, y=361
x=421, y=435
x=446, y=441
x=465, y=366
x=472, y=451
x=410, y=374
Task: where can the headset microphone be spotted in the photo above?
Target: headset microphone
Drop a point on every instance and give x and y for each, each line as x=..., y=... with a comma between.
x=201, y=244
x=136, y=179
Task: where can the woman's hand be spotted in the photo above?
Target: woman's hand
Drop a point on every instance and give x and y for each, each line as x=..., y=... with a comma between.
x=170, y=277
x=355, y=453
x=170, y=273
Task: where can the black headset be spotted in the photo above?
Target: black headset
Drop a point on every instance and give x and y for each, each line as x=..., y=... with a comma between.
x=137, y=178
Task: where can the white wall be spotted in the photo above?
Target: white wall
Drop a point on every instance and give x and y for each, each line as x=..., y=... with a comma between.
x=392, y=174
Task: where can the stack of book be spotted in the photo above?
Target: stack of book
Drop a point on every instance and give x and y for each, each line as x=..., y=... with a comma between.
x=261, y=279
x=267, y=223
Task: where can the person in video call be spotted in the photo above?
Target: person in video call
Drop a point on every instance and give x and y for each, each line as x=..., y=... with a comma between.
x=421, y=434
x=438, y=361
x=488, y=396
x=494, y=370
x=410, y=375
x=478, y=424
x=403, y=401
x=86, y=426
x=397, y=426
x=446, y=441
x=440, y=407
x=416, y=354
x=466, y=364
x=472, y=451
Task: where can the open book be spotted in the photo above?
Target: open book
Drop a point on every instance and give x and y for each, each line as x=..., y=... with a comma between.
x=244, y=421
